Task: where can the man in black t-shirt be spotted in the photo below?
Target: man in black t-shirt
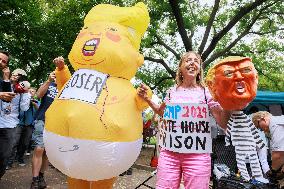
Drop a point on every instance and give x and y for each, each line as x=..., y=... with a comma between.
x=47, y=92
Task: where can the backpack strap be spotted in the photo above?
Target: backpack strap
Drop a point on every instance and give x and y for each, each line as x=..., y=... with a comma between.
x=19, y=108
x=205, y=98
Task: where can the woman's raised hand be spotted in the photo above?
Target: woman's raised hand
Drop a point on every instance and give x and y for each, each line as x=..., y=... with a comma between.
x=142, y=92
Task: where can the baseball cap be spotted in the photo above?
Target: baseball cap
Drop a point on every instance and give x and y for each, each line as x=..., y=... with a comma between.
x=19, y=71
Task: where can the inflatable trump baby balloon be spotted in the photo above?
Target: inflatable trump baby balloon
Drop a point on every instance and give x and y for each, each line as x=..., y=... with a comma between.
x=233, y=83
x=94, y=127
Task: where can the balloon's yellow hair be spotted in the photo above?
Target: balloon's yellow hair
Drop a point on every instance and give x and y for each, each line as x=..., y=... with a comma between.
x=135, y=18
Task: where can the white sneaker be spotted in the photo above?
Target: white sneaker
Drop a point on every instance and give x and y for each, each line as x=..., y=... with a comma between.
x=22, y=163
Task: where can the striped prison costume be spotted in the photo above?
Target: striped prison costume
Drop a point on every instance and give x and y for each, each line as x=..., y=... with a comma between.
x=242, y=134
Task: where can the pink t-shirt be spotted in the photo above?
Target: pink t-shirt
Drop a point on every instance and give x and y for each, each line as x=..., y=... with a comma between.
x=193, y=95
x=199, y=163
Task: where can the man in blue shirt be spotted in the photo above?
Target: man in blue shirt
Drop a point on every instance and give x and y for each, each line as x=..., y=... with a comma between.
x=47, y=92
x=9, y=113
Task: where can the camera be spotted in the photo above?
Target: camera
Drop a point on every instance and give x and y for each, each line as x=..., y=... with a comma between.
x=21, y=87
x=33, y=100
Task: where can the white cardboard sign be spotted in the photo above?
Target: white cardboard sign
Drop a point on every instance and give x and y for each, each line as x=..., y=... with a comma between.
x=84, y=85
x=185, y=128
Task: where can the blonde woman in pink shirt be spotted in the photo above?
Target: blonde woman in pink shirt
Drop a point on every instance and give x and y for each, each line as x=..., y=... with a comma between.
x=195, y=168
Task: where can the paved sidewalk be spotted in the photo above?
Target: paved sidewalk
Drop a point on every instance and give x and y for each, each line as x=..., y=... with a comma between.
x=20, y=177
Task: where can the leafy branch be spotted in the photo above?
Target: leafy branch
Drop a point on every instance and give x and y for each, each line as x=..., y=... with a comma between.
x=161, y=61
x=160, y=42
x=161, y=80
x=180, y=24
x=238, y=16
x=209, y=25
x=232, y=44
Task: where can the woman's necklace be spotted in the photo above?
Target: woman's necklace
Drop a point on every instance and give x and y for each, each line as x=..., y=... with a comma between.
x=188, y=87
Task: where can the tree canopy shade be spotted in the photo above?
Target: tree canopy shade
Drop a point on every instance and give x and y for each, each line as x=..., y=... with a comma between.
x=36, y=31
x=223, y=28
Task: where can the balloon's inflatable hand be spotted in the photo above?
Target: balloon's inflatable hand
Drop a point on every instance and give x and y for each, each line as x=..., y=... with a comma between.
x=62, y=72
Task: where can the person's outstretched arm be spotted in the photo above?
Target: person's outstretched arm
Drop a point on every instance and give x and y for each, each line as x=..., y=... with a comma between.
x=43, y=88
x=143, y=93
x=221, y=116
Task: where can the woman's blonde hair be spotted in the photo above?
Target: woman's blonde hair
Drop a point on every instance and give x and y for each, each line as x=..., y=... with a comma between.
x=199, y=77
x=259, y=115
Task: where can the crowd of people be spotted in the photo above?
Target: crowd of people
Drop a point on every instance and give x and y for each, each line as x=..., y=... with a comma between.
x=22, y=118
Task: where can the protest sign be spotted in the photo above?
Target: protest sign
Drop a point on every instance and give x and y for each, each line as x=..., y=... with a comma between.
x=84, y=85
x=185, y=128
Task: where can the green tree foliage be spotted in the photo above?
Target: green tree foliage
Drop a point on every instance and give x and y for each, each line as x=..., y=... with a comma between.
x=36, y=31
x=251, y=28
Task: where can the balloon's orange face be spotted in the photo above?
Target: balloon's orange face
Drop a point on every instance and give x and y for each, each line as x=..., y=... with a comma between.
x=235, y=84
x=106, y=47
